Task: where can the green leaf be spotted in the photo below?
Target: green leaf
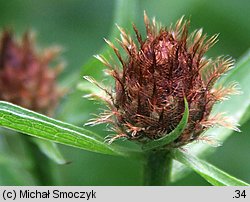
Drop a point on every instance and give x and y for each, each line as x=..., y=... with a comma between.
x=50, y=149
x=209, y=172
x=88, y=88
x=37, y=125
x=165, y=140
x=236, y=107
x=125, y=13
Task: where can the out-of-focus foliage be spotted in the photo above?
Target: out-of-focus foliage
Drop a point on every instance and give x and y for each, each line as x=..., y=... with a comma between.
x=79, y=27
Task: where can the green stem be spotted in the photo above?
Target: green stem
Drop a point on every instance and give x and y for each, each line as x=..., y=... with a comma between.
x=157, y=168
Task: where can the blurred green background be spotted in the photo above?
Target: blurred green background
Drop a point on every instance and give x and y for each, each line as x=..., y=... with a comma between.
x=79, y=27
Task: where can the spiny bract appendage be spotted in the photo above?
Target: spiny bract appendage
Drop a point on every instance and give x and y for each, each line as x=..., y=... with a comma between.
x=157, y=74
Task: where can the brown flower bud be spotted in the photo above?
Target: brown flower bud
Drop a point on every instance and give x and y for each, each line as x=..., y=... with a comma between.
x=25, y=76
x=159, y=72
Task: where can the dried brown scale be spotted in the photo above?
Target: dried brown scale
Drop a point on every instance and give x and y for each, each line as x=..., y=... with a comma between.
x=25, y=76
x=167, y=66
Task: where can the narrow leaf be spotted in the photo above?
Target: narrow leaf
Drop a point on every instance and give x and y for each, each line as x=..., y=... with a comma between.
x=88, y=88
x=165, y=140
x=209, y=172
x=125, y=13
x=37, y=125
x=50, y=149
x=20, y=110
x=237, y=107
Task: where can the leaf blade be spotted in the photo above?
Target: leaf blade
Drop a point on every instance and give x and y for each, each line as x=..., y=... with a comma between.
x=237, y=106
x=209, y=172
x=121, y=17
x=37, y=125
x=51, y=150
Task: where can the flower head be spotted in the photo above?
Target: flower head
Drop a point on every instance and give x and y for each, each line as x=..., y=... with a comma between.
x=25, y=76
x=158, y=73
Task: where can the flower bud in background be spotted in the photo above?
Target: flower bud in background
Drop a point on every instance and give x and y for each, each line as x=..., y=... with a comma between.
x=26, y=78
x=152, y=81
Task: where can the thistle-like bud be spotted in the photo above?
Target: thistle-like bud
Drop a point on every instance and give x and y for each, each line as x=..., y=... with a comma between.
x=25, y=76
x=158, y=74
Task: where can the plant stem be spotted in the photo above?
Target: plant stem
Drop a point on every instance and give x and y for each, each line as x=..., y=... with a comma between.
x=157, y=168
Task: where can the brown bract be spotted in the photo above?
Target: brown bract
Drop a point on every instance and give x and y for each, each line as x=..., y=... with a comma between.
x=25, y=76
x=155, y=77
